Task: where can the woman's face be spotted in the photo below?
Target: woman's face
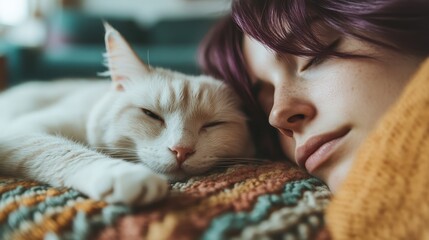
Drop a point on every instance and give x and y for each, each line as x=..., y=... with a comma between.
x=324, y=109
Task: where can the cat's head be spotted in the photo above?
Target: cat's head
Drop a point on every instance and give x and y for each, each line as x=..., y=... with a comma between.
x=176, y=124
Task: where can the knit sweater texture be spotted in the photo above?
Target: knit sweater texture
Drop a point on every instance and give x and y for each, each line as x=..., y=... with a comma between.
x=385, y=195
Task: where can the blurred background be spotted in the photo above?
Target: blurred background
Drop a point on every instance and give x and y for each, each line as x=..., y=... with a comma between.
x=48, y=39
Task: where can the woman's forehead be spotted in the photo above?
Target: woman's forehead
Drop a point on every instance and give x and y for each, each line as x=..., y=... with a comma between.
x=255, y=55
x=261, y=60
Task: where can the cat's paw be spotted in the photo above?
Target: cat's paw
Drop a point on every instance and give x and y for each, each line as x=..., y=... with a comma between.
x=128, y=184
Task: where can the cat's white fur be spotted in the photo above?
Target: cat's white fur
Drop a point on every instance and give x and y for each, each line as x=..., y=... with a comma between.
x=120, y=140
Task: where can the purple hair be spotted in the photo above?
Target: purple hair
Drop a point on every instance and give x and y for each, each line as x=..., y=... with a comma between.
x=286, y=27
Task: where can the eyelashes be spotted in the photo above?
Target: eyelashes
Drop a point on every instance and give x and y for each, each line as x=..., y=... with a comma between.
x=158, y=118
x=318, y=59
x=326, y=53
x=314, y=62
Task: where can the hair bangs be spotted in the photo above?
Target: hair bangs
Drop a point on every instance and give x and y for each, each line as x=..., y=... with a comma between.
x=283, y=26
x=287, y=26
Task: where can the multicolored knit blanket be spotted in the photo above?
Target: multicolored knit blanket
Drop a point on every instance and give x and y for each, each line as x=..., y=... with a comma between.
x=265, y=201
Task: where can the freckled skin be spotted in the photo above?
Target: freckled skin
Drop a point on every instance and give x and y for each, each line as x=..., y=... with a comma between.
x=336, y=93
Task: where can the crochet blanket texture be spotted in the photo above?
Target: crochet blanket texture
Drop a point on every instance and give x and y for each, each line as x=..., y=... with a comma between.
x=273, y=200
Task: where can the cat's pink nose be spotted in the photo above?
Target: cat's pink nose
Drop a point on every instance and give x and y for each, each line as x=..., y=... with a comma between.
x=182, y=153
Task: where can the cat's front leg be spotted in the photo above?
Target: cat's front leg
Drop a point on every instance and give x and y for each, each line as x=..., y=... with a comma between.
x=117, y=181
x=60, y=162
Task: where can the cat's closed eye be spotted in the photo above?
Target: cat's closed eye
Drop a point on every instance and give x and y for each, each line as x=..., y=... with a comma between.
x=213, y=124
x=152, y=115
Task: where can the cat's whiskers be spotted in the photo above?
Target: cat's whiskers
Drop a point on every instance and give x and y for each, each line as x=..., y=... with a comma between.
x=117, y=150
x=57, y=150
x=114, y=148
x=231, y=161
x=127, y=157
x=127, y=141
x=239, y=159
x=128, y=154
x=123, y=156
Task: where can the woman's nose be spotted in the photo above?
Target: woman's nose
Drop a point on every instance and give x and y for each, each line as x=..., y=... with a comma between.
x=290, y=114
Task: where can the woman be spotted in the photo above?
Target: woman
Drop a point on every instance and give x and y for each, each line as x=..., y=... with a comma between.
x=323, y=73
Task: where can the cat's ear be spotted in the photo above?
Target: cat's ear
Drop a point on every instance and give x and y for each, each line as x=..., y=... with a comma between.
x=122, y=61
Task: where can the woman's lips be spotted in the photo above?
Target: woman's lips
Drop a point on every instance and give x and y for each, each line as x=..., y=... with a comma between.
x=318, y=149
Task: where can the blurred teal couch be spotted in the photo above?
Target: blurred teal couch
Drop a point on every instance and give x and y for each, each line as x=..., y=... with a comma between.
x=76, y=43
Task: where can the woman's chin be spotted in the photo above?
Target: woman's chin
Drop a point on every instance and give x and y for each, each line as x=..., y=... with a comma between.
x=337, y=174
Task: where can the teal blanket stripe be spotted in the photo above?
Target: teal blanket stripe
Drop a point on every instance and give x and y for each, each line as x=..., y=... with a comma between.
x=222, y=226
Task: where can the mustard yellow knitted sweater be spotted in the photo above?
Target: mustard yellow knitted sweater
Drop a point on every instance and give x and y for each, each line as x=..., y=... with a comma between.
x=386, y=195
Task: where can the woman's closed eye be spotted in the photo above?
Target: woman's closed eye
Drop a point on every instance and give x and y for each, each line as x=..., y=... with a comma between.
x=314, y=62
x=318, y=59
x=152, y=115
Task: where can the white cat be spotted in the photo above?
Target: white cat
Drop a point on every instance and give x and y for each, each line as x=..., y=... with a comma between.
x=120, y=140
